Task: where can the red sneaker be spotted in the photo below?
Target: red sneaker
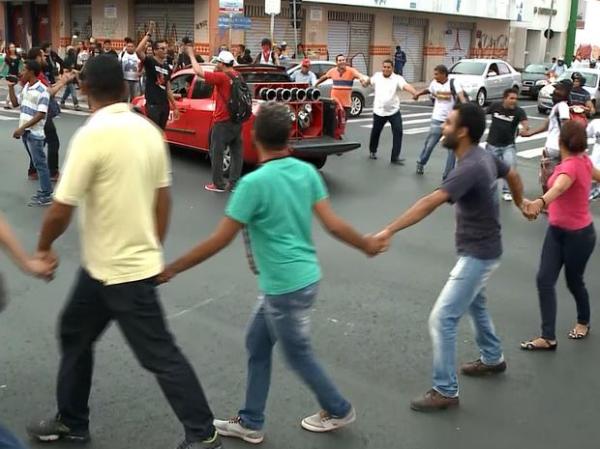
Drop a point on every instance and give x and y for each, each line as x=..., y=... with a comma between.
x=213, y=188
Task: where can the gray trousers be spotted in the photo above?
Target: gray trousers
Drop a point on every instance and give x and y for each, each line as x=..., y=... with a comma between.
x=226, y=134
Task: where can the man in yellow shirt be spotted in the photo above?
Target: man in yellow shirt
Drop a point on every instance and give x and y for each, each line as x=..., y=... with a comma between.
x=118, y=172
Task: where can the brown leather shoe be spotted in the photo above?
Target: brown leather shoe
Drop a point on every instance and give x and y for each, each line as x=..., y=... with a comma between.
x=433, y=401
x=479, y=369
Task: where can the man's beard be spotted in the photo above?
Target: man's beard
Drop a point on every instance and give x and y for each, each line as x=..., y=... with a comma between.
x=450, y=142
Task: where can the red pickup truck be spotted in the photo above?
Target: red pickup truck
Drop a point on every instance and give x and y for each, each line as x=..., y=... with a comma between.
x=318, y=123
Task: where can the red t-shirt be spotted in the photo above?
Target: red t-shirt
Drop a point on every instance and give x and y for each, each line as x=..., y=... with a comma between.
x=222, y=83
x=571, y=210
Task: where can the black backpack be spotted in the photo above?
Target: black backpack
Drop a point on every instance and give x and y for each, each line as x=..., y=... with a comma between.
x=454, y=94
x=240, y=101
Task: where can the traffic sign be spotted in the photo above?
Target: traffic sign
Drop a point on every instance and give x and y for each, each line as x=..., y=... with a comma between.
x=548, y=33
x=235, y=22
x=231, y=6
x=273, y=7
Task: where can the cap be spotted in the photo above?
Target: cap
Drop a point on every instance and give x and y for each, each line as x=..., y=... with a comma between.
x=561, y=58
x=225, y=57
x=284, y=44
x=306, y=62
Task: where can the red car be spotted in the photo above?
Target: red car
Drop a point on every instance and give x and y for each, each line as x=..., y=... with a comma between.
x=319, y=124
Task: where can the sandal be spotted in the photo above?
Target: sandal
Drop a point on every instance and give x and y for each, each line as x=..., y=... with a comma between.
x=574, y=334
x=531, y=346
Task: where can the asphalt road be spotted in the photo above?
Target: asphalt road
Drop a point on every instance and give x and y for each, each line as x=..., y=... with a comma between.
x=369, y=325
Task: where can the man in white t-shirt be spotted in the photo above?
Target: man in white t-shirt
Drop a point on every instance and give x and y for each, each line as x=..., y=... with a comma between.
x=386, y=108
x=559, y=114
x=130, y=63
x=446, y=93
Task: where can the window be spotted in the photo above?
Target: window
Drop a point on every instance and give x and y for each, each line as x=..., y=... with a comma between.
x=504, y=70
x=468, y=68
x=201, y=90
x=493, y=68
x=181, y=85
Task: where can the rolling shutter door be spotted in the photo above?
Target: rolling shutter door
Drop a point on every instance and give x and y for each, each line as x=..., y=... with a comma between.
x=458, y=45
x=261, y=28
x=360, y=39
x=81, y=20
x=338, y=38
x=350, y=34
x=411, y=37
x=174, y=21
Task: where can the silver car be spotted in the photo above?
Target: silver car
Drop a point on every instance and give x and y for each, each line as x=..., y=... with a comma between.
x=362, y=97
x=591, y=76
x=485, y=79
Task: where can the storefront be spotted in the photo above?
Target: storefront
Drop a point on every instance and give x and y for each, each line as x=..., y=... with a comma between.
x=261, y=28
x=81, y=18
x=409, y=33
x=349, y=33
x=174, y=18
x=457, y=42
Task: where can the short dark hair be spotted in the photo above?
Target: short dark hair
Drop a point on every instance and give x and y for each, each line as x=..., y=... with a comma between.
x=337, y=56
x=266, y=41
x=242, y=47
x=157, y=42
x=45, y=46
x=102, y=77
x=272, y=126
x=510, y=91
x=441, y=68
x=388, y=61
x=34, y=66
x=472, y=117
x=107, y=41
x=34, y=52
x=573, y=136
x=128, y=40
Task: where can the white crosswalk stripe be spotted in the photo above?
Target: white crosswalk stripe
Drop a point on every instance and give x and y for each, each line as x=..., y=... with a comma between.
x=5, y=118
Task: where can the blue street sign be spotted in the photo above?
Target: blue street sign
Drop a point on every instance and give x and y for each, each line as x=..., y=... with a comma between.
x=236, y=22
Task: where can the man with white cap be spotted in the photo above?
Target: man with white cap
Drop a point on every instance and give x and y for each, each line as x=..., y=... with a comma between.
x=304, y=75
x=225, y=132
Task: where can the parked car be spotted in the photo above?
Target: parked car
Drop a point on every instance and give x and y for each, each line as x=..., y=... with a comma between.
x=362, y=97
x=485, y=79
x=316, y=134
x=545, y=103
x=534, y=78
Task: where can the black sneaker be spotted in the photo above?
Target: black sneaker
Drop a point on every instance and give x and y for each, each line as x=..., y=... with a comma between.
x=373, y=156
x=399, y=161
x=420, y=169
x=211, y=443
x=48, y=430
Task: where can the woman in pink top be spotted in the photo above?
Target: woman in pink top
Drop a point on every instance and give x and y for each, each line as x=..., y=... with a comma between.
x=570, y=238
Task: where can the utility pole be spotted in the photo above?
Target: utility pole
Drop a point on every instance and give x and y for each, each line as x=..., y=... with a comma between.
x=295, y=27
x=547, y=49
x=571, y=32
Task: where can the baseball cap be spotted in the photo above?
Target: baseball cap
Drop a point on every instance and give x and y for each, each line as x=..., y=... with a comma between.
x=284, y=44
x=306, y=62
x=225, y=57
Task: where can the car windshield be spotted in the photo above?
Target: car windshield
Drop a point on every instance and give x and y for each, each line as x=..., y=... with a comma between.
x=468, y=68
x=536, y=68
x=591, y=79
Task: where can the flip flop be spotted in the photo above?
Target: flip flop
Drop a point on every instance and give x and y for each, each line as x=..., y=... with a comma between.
x=531, y=346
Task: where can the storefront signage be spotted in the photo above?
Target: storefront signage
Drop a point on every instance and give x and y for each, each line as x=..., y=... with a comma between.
x=545, y=11
x=110, y=12
x=498, y=9
x=231, y=6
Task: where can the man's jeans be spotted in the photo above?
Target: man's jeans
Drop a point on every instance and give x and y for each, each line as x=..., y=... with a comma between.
x=464, y=291
x=35, y=148
x=8, y=440
x=226, y=134
x=378, y=124
x=507, y=154
x=133, y=90
x=434, y=136
x=70, y=91
x=285, y=318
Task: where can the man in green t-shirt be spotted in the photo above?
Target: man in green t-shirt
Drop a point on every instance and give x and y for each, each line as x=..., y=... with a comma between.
x=274, y=205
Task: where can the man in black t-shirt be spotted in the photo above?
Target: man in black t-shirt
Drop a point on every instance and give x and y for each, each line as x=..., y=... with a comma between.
x=108, y=49
x=158, y=93
x=506, y=118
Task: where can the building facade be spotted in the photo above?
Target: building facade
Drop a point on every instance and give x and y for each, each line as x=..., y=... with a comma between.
x=430, y=32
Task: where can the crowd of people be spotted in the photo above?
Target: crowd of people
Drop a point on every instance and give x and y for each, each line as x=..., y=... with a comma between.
x=121, y=240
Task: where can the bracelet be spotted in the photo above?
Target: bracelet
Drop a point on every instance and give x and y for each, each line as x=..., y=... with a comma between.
x=543, y=200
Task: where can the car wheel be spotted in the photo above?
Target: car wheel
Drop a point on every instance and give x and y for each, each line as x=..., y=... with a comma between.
x=542, y=110
x=318, y=162
x=481, y=97
x=356, y=105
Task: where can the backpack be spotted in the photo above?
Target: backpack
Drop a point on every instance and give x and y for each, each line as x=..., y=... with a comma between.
x=240, y=100
x=454, y=94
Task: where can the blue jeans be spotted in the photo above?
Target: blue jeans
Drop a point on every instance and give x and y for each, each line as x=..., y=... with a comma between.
x=8, y=440
x=285, y=318
x=464, y=291
x=35, y=147
x=70, y=90
x=433, y=138
x=507, y=154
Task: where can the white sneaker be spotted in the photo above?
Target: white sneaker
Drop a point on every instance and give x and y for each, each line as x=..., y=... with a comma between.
x=234, y=428
x=324, y=422
x=507, y=197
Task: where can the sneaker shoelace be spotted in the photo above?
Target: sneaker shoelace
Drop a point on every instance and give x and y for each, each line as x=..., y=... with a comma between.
x=235, y=420
x=324, y=416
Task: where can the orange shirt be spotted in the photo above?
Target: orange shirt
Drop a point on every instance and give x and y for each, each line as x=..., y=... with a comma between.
x=342, y=84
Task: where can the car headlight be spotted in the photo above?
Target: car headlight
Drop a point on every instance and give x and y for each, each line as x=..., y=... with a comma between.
x=541, y=83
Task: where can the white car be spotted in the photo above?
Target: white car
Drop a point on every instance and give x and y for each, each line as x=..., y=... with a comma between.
x=592, y=78
x=485, y=79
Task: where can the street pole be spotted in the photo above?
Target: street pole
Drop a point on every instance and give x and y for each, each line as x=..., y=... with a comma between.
x=571, y=32
x=230, y=30
x=272, y=27
x=546, y=49
x=295, y=28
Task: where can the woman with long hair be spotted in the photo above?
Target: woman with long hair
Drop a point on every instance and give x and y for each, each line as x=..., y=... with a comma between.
x=12, y=60
x=570, y=237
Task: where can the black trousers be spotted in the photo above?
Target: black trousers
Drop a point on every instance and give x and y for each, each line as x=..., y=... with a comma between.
x=573, y=250
x=53, y=146
x=158, y=113
x=378, y=124
x=136, y=309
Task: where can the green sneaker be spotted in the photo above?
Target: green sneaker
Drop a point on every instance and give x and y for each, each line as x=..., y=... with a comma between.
x=213, y=442
x=48, y=430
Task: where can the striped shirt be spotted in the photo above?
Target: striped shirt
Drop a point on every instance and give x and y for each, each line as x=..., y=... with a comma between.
x=34, y=99
x=342, y=85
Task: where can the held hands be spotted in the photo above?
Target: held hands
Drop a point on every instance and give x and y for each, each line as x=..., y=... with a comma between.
x=42, y=265
x=378, y=243
x=531, y=209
